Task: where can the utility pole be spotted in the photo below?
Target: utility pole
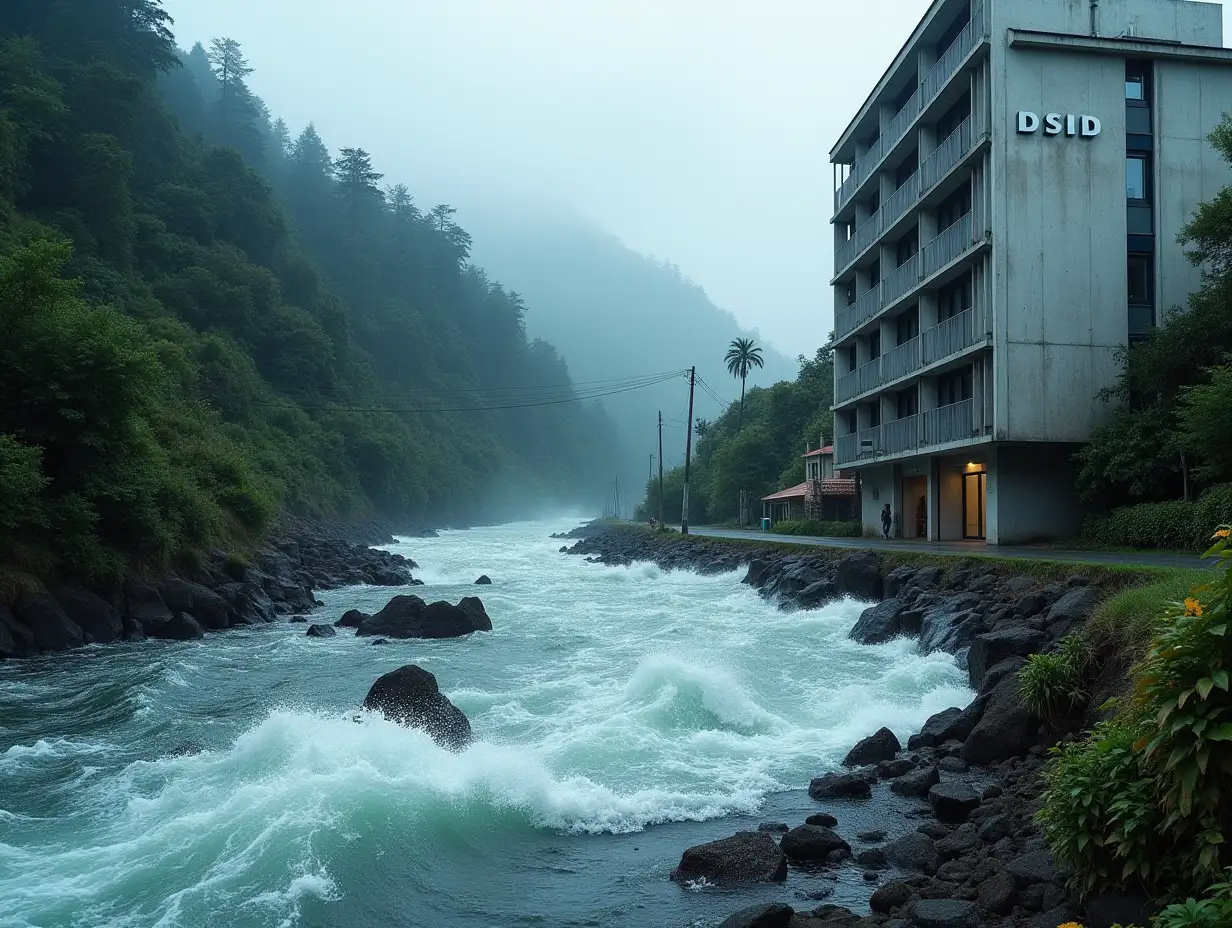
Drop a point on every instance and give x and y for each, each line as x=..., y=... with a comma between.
x=660, y=467
x=688, y=453
x=616, y=495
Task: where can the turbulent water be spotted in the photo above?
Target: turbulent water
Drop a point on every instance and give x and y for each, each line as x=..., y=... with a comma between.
x=623, y=714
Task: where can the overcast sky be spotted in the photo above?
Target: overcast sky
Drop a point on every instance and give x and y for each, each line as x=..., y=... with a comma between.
x=696, y=130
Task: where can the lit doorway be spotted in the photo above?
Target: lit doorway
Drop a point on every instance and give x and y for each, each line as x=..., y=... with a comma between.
x=975, y=487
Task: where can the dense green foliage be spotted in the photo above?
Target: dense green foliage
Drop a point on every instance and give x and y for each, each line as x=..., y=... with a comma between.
x=818, y=529
x=203, y=321
x=1148, y=797
x=761, y=458
x=1054, y=683
x=1174, y=396
x=1174, y=525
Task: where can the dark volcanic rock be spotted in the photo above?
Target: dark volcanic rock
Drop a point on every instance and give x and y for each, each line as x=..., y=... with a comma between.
x=897, y=580
x=407, y=616
x=889, y=769
x=52, y=629
x=859, y=576
x=352, y=618
x=321, y=631
x=996, y=894
x=811, y=842
x=999, y=671
x=951, y=624
x=942, y=913
x=821, y=818
x=873, y=859
x=992, y=648
x=181, y=627
x=880, y=623
x=840, y=785
x=1073, y=607
x=97, y=618
x=889, y=897
x=916, y=783
x=411, y=697
x=746, y=857
x=1006, y=728
x=1035, y=867
x=772, y=915
x=913, y=851
x=945, y=725
x=953, y=802
x=143, y=602
x=206, y=606
x=882, y=745
x=484, y=580
x=16, y=639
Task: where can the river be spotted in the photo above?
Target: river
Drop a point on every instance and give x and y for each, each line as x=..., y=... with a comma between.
x=623, y=714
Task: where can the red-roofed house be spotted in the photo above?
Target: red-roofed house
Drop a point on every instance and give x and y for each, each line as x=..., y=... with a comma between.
x=826, y=494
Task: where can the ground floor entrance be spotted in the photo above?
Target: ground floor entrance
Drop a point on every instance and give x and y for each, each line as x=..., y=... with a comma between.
x=995, y=493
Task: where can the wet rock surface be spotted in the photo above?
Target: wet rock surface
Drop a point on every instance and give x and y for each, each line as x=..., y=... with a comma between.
x=410, y=696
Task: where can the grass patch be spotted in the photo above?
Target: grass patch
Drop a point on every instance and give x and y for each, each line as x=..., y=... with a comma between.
x=1124, y=623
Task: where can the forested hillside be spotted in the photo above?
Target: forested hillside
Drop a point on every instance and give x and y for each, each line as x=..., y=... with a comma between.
x=614, y=312
x=762, y=455
x=206, y=321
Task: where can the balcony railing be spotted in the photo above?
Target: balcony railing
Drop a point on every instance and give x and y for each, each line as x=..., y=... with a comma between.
x=949, y=423
x=901, y=200
x=951, y=150
x=900, y=361
x=934, y=82
x=847, y=447
x=870, y=441
x=948, y=245
x=859, y=312
x=867, y=233
x=901, y=435
x=948, y=337
x=900, y=280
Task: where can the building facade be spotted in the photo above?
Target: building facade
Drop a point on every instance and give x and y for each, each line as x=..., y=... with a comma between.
x=1006, y=210
x=826, y=495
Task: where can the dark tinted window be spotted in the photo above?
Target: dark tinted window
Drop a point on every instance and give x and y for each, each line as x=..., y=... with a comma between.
x=1140, y=289
x=907, y=325
x=1136, y=176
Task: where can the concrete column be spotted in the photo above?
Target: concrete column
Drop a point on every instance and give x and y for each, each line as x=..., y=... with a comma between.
x=926, y=58
x=928, y=309
x=934, y=500
x=977, y=395
x=928, y=393
x=885, y=115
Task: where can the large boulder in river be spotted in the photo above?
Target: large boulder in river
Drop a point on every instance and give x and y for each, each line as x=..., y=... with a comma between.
x=352, y=618
x=409, y=616
x=180, y=627
x=1006, y=729
x=859, y=576
x=97, y=618
x=207, y=607
x=144, y=604
x=53, y=630
x=768, y=915
x=879, y=623
x=840, y=786
x=747, y=857
x=812, y=842
x=411, y=697
x=882, y=745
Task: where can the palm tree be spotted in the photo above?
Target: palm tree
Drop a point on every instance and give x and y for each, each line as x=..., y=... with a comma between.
x=741, y=358
x=701, y=427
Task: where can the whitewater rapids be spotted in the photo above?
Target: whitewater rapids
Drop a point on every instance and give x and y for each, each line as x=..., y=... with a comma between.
x=622, y=714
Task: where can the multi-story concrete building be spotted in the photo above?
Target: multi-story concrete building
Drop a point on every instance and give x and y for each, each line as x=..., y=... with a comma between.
x=1006, y=211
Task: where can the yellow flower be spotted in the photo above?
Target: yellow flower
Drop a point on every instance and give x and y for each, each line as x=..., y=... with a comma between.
x=1069, y=925
x=1223, y=533
x=1193, y=607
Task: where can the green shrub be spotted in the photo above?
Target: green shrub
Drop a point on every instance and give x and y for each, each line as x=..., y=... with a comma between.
x=1214, y=911
x=1100, y=816
x=818, y=528
x=1053, y=683
x=1172, y=526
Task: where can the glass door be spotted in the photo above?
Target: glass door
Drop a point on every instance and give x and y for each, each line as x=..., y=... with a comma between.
x=974, y=489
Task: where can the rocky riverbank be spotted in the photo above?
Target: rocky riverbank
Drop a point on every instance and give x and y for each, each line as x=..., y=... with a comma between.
x=971, y=774
x=223, y=592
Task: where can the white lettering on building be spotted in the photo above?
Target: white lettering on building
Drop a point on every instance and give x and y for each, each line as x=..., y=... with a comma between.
x=1057, y=123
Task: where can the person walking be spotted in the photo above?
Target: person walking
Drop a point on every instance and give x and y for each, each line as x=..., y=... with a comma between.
x=886, y=520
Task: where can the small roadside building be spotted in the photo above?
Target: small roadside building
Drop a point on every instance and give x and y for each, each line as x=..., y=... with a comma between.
x=826, y=495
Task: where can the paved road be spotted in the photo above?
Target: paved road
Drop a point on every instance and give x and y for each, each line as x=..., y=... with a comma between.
x=968, y=548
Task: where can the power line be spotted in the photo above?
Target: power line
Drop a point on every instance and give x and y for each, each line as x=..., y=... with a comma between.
x=545, y=400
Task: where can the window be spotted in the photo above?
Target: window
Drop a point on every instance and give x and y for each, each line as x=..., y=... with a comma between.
x=908, y=402
x=954, y=387
x=874, y=344
x=874, y=414
x=1135, y=87
x=1136, y=177
x=849, y=418
x=954, y=207
x=853, y=358
x=1140, y=289
x=907, y=325
x=906, y=169
x=907, y=246
x=954, y=298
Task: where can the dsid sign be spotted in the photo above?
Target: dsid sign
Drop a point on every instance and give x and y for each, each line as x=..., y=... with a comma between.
x=1086, y=127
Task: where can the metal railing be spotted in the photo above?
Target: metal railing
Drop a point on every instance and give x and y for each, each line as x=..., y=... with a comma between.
x=847, y=447
x=949, y=423
x=934, y=82
x=900, y=361
x=901, y=200
x=900, y=280
x=952, y=149
x=948, y=337
x=870, y=441
x=948, y=245
x=859, y=312
x=900, y=435
x=867, y=233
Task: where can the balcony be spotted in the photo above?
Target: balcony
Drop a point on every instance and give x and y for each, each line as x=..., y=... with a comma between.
x=934, y=82
x=901, y=280
x=948, y=337
x=864, y=236
x=932, y=427
x=948, y=246
x=900, y=361
x=861, y=380
x=859, y=312
x=949, y=423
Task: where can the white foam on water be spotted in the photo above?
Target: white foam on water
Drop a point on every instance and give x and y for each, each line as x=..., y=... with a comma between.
x=607, y=699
